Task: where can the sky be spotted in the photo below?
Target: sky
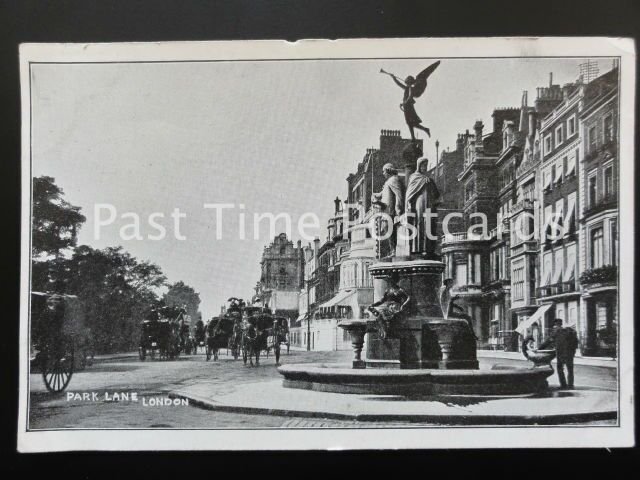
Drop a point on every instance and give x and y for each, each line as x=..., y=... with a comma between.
x=274, y=137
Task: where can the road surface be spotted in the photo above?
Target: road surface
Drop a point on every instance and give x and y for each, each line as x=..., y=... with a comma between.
x=89, y=401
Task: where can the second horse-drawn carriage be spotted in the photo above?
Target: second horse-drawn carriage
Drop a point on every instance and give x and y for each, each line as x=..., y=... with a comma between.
x=164, y=334
x=247, y=330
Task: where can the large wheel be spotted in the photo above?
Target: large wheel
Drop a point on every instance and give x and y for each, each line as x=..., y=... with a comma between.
x=244, y=355
x=142, y=352
x=57, y=367
x=208, y=353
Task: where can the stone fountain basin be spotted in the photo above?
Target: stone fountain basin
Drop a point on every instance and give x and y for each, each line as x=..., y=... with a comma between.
x=341, y=378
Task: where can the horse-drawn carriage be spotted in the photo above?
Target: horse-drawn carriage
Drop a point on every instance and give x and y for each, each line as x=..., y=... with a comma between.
x=224, y=332
x=162, y=334
x=61, y=342
x=262, y=332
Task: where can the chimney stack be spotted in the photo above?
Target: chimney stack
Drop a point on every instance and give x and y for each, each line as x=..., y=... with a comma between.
x=550, y=79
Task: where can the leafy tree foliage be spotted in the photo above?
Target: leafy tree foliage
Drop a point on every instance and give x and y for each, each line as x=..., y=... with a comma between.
x=181, y=294
x=55, y=221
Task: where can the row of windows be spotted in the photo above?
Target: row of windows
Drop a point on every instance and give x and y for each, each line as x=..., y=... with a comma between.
x=594, y=140
x=561, y=169
x=562, y=132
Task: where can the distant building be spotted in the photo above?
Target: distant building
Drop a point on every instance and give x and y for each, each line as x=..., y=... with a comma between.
x=281, y=277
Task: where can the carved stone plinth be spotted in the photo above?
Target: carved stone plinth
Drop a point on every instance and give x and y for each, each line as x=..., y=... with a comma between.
x=357, y=330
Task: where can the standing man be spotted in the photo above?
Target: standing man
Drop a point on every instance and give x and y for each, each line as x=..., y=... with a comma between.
x=565, y=341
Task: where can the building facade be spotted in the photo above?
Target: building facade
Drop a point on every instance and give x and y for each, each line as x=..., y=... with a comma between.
x=598, y=180
x=282, y=270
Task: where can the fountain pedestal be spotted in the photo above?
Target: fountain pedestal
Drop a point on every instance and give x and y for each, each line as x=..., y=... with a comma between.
x=421, y=337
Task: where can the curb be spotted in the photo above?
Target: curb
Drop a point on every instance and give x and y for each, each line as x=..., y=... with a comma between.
x=583, y=361
x=485, y=420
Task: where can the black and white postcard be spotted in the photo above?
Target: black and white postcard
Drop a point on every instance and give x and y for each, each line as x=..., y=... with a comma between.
x=351, y=244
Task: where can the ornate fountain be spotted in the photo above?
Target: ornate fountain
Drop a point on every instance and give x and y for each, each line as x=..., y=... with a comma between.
x=415, y=342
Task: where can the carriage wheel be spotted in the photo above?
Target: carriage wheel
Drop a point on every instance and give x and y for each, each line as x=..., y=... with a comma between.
x=244, y=355
x=235, y=353
x=143, y=353
x=58, y=368
x=208, y=354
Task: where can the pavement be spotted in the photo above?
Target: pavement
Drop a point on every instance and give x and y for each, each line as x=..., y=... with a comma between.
x=125, y=373
x=270, y=398
x=603, y=362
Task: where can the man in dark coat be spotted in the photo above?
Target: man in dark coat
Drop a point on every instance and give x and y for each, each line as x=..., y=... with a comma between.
x=565, y=341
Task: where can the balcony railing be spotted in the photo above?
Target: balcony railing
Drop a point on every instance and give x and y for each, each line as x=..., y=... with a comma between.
x=463, y=237
x=556, y=289
x=602, y=203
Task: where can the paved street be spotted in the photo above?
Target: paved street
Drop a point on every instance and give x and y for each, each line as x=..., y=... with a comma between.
x=109, y=378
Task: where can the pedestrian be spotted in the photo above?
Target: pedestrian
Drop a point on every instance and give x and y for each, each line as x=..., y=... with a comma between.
x=565, y=342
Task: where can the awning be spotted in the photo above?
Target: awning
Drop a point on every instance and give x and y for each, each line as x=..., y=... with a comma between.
x=546, y=269
x=354, y=298
x=571, y=163
x=547, y=179
x=535, y=318
x=342, y=298
x=559, y=168
x=571, y=211
x=557, y=266
x=570, y=270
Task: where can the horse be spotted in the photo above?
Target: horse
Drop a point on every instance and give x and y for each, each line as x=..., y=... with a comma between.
x=255, y=337
x=168, y=340
x=218, y=332
x=200, y=336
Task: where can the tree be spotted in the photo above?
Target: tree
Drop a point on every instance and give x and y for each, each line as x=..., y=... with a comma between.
x=117, y=291
x=180, y=294
x=55, y=221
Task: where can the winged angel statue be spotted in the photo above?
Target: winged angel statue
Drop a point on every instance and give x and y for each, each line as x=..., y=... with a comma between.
x=413, y=88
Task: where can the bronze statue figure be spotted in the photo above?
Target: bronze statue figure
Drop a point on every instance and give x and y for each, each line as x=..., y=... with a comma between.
x=413, y=88
x=388, y=309
x=422, y=199
x=390, y=201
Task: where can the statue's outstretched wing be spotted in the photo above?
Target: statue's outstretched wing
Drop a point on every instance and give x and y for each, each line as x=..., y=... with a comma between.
x=421, y=79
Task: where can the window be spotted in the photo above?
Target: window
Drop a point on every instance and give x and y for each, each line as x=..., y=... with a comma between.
x=592, y=139
x=597, y=238
x=547, y=144
x=608, y=180
x=477, y=271
x=613, y=238
x=592, y=189
x=572, y=126
x=608, y=129
x=553, y=173
x=461, y=274
x=518, y=283
x=559, y=132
